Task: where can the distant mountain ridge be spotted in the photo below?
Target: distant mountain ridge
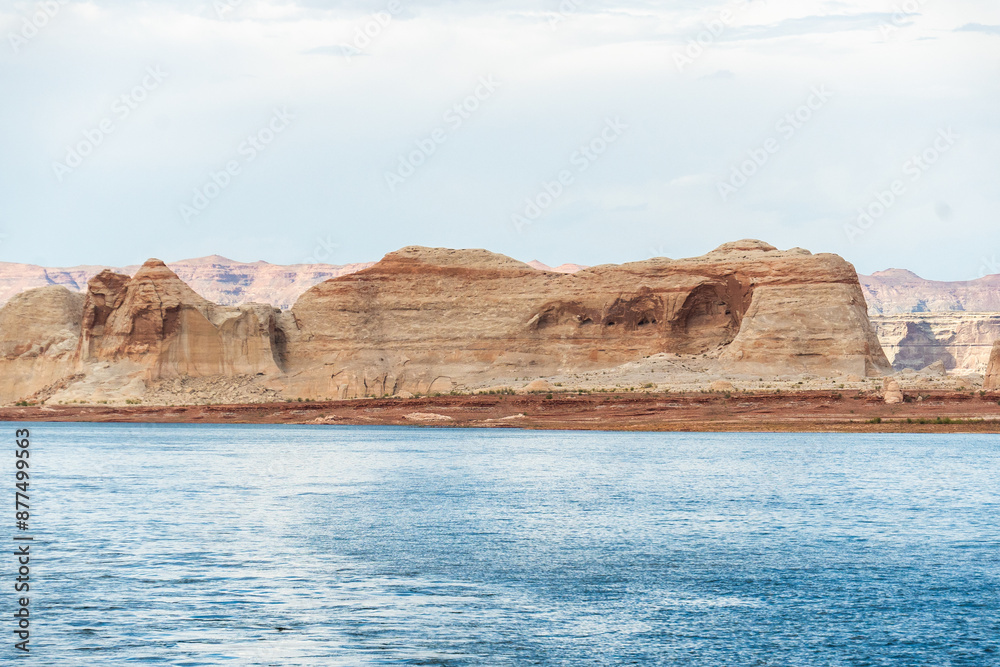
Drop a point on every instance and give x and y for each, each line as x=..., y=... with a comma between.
x=899, y=291
x=219, y=279
x=230, y=282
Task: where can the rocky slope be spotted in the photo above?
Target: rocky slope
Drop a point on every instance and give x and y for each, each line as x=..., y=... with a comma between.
x=432, y=320
x=218, y=279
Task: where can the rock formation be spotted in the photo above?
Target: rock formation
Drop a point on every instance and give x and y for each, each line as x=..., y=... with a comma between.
x=960, y=341
x=992, y=380
x=917, y=321
x=892, y=394
x=39, y=333
x=425, y=320
x=156, y=321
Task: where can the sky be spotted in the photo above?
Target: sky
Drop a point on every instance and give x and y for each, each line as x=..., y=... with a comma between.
x=586, y=131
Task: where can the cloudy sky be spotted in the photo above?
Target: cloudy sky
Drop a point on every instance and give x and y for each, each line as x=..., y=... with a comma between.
x=586, y=131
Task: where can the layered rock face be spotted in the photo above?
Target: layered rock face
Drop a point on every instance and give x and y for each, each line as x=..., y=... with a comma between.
x=992, y=380
x=156, y=321
x=430, y=320
x=127, y=332
x=923, y=321
x=961, y=341
x=424, y=320
x=897, y=291
x=39, y=333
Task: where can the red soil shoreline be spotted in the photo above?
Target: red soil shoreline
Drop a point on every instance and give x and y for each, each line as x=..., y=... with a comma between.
x=812, y=411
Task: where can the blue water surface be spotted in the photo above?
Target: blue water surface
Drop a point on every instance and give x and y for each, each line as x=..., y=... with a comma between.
x=296, y=545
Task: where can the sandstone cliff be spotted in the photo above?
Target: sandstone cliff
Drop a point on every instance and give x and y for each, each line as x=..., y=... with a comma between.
x=426, y=320
x=922, y=321
x=156, y=321
x=128, y=333
x=961, y=341
x=432, y=320
x=992, y=380
x=39, y=332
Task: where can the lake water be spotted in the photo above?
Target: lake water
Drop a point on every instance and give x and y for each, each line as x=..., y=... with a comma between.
x=261, y=545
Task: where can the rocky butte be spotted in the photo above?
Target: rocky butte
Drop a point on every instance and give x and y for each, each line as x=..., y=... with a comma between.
x=427, y=320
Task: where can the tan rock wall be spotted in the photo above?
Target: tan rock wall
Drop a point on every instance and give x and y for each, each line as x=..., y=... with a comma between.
x=39, y=334
x=424, y=319
x=154, y=319
x=992, y=380
x=961, y=341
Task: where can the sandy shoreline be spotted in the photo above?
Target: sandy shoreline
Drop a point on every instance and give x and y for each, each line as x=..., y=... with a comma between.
x=814, y=411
